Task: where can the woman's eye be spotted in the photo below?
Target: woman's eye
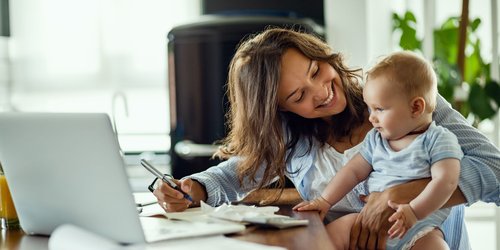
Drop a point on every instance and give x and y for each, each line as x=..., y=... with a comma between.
x=300, y=97
x=379, y=109
x=316, y=72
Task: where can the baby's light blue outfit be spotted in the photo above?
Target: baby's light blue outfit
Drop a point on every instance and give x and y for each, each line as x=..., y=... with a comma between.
x=410, y=163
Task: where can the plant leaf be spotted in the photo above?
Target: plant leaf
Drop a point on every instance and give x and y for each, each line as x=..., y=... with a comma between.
x=492, y=89
x=410, y=17
x=473, y=62
x=407, y=26
x=480, y=103
x=396, y=22
x=474, y=24
x=446, y=44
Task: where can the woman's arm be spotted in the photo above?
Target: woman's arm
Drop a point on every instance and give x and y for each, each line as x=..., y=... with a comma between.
x=443, y=183
x=480, y=166
x=216, y=185
x=221, y=182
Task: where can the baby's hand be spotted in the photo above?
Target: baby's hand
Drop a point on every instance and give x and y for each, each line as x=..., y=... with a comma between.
x=404, y=218
x=318, y=204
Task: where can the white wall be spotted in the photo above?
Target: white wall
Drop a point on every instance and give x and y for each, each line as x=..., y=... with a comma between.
x=359, y=29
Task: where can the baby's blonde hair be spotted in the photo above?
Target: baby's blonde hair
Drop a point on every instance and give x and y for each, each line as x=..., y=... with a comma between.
x=411, y=73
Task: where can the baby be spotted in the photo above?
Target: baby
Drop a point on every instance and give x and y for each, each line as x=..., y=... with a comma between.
x=404, y=145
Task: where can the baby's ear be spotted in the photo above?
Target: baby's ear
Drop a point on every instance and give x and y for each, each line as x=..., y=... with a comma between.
x=417, y=106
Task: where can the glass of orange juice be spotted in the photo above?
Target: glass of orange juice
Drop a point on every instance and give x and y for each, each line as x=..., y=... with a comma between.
x=8, y=215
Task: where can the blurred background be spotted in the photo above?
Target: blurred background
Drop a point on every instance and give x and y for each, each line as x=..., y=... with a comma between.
x=158, y=67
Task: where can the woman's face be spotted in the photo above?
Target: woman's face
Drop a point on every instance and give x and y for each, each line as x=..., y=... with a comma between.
x=311, y=89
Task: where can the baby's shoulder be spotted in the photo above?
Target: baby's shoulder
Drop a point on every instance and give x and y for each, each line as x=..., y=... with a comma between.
x=436, y=133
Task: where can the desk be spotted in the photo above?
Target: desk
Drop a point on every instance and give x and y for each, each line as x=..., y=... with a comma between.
x=313, y=236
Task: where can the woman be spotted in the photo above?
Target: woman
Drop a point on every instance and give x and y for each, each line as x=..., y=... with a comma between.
x=296, y=110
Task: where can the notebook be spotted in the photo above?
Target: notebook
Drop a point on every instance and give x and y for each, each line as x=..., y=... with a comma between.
x=65, y=168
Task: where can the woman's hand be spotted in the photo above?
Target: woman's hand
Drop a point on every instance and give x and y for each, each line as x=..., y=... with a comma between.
x=172, y=200
x=318, y=204
x=372, y=224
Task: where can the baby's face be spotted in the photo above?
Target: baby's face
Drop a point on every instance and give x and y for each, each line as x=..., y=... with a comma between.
x=390, y=110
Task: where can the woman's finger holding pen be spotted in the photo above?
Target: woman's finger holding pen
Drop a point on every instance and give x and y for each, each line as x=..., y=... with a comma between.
x=175, y=200
x=194, y=189
x=170, y=199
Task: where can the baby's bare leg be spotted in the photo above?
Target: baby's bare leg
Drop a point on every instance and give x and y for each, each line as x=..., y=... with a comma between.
x=339, y=230
x=432, y=240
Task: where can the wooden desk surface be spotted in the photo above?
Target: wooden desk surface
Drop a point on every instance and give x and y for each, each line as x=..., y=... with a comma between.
x=313, y=236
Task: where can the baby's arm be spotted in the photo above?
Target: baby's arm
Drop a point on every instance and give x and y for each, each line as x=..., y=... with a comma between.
x=444, y=181
x=354, y=172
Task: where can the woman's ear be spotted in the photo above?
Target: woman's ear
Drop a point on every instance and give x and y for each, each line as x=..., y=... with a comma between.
x=417, y=106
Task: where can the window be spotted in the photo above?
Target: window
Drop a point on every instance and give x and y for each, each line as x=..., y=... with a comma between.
x=96, y=56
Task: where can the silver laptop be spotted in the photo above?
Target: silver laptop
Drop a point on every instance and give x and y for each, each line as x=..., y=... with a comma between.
x=66, y=168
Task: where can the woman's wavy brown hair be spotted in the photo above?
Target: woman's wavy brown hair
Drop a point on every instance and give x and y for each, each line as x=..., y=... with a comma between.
x=255, y=121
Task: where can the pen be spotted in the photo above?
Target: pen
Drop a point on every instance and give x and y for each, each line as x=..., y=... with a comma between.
x=165, y=178
x=146, y=203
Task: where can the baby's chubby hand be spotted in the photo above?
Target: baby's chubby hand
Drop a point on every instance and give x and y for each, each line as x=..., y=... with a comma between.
x=404, y=218
x=318, y=204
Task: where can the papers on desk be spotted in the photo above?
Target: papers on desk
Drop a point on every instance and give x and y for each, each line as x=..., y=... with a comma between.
x=264, y=216
x=239, y=213
x=75, y=238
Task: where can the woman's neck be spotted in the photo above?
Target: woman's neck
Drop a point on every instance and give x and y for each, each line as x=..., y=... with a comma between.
x=357, y=136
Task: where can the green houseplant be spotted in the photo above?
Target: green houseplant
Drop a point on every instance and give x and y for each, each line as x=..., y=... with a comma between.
x=473, y=93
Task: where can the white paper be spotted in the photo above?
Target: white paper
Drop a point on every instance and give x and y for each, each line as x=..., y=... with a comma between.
x=144, y=197
x=75, y=238
x=240, y=212
x=72, y=237
x=209, y=243
x=152, y=210
x=190, y=214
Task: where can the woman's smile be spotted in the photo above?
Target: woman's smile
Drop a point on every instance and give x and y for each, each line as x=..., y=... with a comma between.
x=329, y=102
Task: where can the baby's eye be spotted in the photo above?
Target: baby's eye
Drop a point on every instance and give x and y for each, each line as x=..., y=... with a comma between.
x=379, y=109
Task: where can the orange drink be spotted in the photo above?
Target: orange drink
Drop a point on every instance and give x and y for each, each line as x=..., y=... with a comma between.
x=7, y=210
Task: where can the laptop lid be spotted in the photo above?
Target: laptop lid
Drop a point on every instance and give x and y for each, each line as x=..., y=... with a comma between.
x=66, y=168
